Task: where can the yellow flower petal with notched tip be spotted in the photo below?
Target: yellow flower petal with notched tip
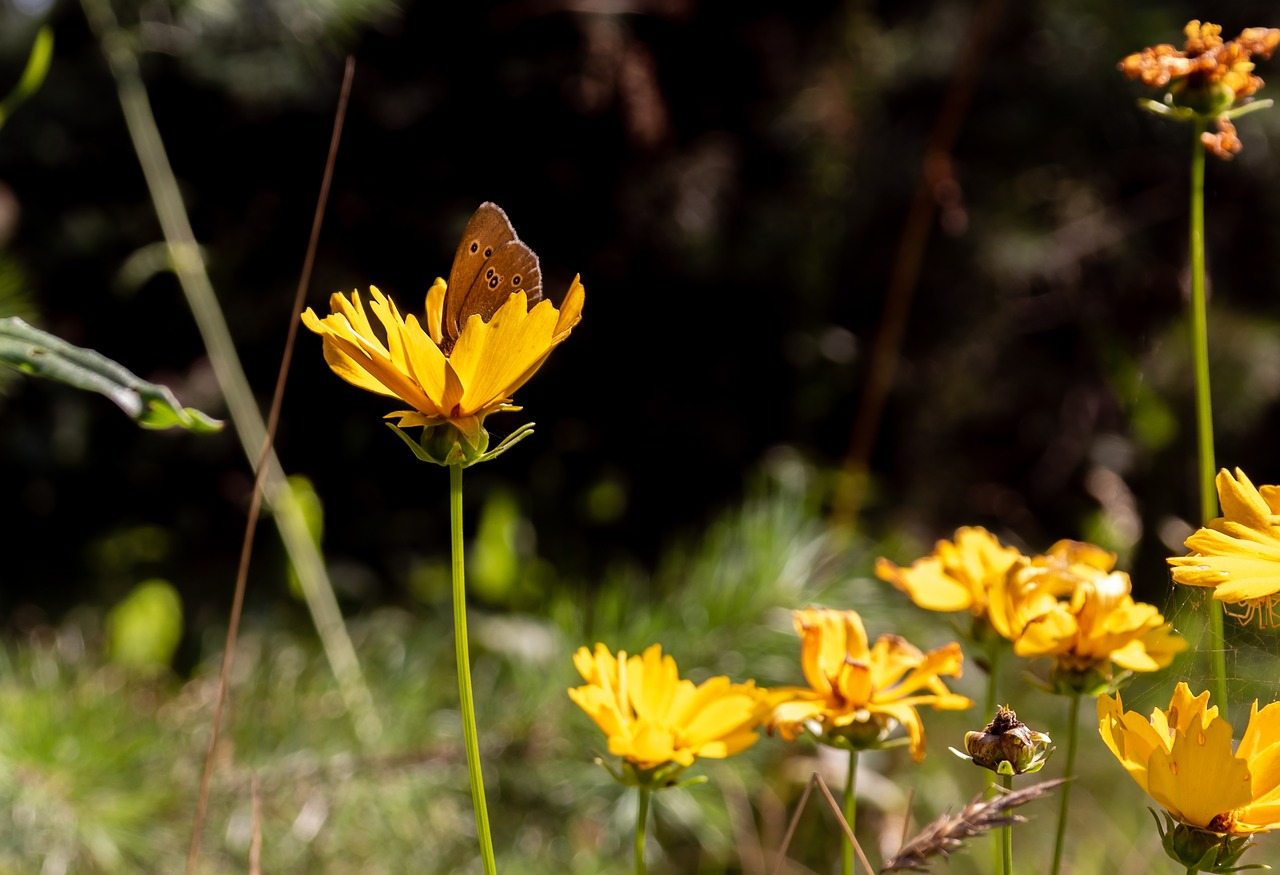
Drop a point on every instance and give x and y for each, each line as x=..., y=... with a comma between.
x=652, y=717
x=957, y=575
x=488, y=363
x=1182, y=758
x=1070, y=605
x=854, y=686
x=1238, y=554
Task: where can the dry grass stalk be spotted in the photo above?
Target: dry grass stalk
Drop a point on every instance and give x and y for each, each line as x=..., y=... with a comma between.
x=947, y=834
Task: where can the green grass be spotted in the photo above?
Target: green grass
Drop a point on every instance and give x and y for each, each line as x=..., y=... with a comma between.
x=101, y=766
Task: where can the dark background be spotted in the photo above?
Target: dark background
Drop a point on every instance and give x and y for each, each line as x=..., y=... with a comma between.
x=731, y=181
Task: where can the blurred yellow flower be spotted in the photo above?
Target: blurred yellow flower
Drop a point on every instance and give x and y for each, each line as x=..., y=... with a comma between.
x=1238, y=554
x=489, y=361
x=1213, y=74
x=858, y=694
x=1182, y=758
x=653, y=717
x=1070, y=605
x=956, y=576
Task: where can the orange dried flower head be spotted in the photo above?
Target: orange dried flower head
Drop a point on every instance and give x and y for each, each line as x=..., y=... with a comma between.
x=1207, y=77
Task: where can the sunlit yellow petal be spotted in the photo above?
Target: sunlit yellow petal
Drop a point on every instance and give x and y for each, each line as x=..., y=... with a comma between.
x=652, y=717
x=400, y=358
x=1198, y=779
x=956, y=576
x=851, y=684
x=435, y=310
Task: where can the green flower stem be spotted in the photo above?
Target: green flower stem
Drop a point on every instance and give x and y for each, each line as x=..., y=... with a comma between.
x=642, y=820
x=1073, y=736
x=464, y=672
x=1204, y=409
x=850, y=813
x=1006, y=834
x=995, y=654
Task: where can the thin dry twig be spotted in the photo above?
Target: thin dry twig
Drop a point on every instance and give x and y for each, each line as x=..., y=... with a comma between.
x=946, y=835
x=935, y=179
x=187, y=264
x=255, y=504
x=816, y=779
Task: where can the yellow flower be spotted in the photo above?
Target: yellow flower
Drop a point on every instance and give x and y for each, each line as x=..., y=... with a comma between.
x=857, y=693
x=653, y=717
x=1213, y=74
x=1070, y=605
x=1238, y=554
x=1182, y=758
x=956, y=576
x=489, y=361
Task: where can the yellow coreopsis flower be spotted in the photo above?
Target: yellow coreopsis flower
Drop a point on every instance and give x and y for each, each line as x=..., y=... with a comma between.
x=857, y=693
x=1238, y=554
x=1182, y=758
x=654, y=718
x=957, y=576
x=489, y=361
x=1070, y=605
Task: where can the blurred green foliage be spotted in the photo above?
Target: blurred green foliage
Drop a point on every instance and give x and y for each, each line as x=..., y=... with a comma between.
x=102, y=763
x=143, y=630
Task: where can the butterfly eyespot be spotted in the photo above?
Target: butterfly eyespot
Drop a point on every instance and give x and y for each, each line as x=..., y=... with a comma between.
x=488, y=251
x=515, y=280
x=475, y=246
x=493, y=282
x=488, y=274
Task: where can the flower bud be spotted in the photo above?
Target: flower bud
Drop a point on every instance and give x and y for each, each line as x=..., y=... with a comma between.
x=1007, y=746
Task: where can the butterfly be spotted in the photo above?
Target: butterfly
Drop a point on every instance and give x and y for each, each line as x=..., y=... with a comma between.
x=491, y=265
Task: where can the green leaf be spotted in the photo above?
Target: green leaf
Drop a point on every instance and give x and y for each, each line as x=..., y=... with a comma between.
x=32, y=77
x=41, y=354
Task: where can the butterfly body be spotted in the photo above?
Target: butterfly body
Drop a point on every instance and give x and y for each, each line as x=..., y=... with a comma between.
x=490, y=265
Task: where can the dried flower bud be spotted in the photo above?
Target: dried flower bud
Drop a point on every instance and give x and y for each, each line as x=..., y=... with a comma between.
x=1007, y=746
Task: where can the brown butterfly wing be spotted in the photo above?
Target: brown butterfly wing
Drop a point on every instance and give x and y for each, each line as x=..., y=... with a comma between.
x=491, y=264
x=488, y=229
x=512, y=268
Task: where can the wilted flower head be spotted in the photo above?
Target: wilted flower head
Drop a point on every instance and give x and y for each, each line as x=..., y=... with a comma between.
x=1209, y=75
x=1238, y=554
x=659, y=722
x=956, y=576
x=1182, y=758
x=1007, y=746
x=857, y=693
x=1070, y=605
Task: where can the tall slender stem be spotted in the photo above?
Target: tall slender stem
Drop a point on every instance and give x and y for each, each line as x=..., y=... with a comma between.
x=1204, y=409
x=469, y=734
x=642, y=822
x=995, y=654
x=1073, y=736
x=850, y=812
x=1006, y=834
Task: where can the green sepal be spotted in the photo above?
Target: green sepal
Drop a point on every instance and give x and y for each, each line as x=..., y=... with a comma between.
x=40, y=354
x=663, y=777
x=1202, y=850
x=444, y=444
x=1248, y=107
x=1171, y=109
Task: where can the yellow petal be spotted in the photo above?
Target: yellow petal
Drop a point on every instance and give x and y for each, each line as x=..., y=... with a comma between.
x=1198, y=779
x=435, y=310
